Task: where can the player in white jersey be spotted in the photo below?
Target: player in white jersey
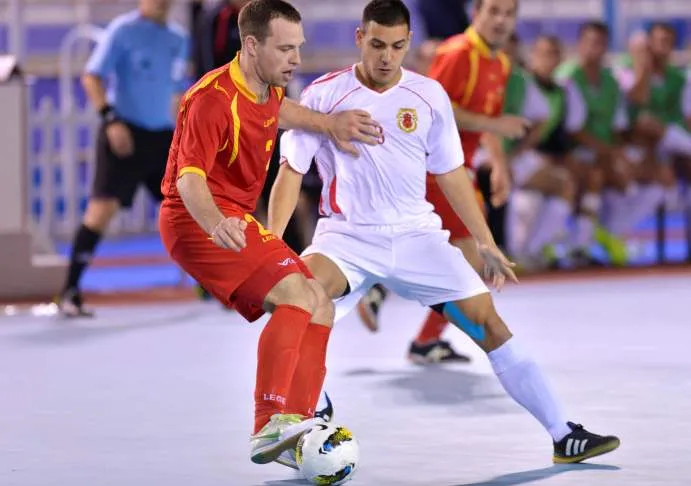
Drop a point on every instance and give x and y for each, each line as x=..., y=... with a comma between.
x=379, y=227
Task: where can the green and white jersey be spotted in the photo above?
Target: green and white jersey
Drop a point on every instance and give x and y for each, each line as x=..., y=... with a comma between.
x=600, y=109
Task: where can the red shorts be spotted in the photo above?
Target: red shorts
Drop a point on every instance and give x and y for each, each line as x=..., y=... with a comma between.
x=449, y=220
x=240, y=280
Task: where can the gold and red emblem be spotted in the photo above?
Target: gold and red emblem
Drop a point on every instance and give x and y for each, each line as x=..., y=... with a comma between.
x=407, y=119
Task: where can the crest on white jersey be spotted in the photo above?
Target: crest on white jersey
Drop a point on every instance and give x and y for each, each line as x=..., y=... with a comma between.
x=407, y=119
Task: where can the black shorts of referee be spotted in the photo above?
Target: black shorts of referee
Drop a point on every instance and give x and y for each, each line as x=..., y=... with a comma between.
x=119, y=177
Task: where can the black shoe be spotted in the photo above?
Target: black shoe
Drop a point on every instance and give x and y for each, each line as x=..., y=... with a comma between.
x=435, y=352
x=580, y=445
x=71, y=304
x=369, y=305
x=326, y=413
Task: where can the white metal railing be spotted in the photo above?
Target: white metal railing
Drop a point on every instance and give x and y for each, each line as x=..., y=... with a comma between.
x=61, y=168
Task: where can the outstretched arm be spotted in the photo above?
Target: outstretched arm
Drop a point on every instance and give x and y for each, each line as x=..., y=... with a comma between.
x=460, y=193
x=298, y=148
x=445, y=161
x=203, y=133
x=343, y=128
x=284, y=198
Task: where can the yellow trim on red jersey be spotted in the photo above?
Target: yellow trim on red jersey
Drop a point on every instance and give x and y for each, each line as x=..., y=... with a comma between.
x=505, y=62
x=479, y=43
x=191, y=170
x=474, y=59
x=236, y=129
x=203, y=83
x=280, y=92
x=239, y=80
x=455, y=44
x=221, y=88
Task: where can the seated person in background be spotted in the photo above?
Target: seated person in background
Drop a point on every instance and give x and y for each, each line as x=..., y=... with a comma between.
x=659, y=99
x=601, y=165
x=525, y=101
x=544, y=192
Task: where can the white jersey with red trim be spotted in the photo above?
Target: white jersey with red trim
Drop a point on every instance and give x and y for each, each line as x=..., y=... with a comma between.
x=385, y=185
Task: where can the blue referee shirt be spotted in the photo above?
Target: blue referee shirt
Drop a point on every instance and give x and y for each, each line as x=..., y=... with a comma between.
x=144, y=64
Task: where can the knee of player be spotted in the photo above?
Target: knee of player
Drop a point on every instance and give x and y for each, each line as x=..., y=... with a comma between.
x=325, y=310
x=478, y=318
x=99, y=212
x=297, y=291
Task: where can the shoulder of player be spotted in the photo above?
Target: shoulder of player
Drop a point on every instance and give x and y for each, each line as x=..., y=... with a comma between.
x=330, y=77
x=214, y=86
x=457, y=45
x=329, y=86
x=177, y=30
x=123, y=22
x=427, y=89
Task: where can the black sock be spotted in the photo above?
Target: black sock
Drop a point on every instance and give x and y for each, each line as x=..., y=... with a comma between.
x=85, y=242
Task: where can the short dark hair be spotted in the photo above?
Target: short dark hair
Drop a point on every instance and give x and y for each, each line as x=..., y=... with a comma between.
x=255, y=17
x=386, y=12
x=594, y=25
x=664, y=26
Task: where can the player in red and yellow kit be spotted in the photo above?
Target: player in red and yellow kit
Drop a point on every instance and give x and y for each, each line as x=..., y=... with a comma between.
x=474, y=72
x=216, y=169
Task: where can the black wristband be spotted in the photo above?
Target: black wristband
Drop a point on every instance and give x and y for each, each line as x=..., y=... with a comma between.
x=108, y=114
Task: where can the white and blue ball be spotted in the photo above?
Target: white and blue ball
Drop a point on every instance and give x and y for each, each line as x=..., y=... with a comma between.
x=327, y=454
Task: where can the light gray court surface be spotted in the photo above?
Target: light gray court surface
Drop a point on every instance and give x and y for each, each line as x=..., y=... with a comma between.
x=163, y=395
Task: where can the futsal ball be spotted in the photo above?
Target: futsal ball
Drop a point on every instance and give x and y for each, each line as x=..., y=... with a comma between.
x=327, y=454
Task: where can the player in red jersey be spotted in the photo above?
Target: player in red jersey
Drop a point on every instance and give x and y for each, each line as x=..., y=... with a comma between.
x=474, y=72
x=216, y=169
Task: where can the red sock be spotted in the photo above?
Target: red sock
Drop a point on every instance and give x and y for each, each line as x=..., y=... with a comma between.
x=310, y=372
x=432, y=328
x=277, y=358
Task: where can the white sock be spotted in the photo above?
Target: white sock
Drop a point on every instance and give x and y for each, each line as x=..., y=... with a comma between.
x=521, y=216
x=676, y=141
x=523, y=381
x=551, y=222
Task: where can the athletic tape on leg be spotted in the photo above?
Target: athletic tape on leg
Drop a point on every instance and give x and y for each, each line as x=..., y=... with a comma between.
x=460, y=320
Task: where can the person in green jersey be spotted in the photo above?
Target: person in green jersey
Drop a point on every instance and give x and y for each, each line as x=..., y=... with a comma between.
x=659, y=96
x=544, y=192
x=602, y=161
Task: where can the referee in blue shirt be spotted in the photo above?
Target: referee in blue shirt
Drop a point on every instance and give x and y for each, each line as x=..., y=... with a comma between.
x=143, y=60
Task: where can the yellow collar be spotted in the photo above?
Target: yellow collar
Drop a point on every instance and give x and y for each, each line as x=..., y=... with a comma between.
x=479, y=43
x=239, y=80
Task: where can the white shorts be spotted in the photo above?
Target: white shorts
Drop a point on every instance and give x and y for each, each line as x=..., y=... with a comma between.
x=525, y=165
x=414, y=261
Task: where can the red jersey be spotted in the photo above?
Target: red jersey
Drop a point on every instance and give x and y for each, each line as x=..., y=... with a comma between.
x=474, y=78
x=224, y=134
